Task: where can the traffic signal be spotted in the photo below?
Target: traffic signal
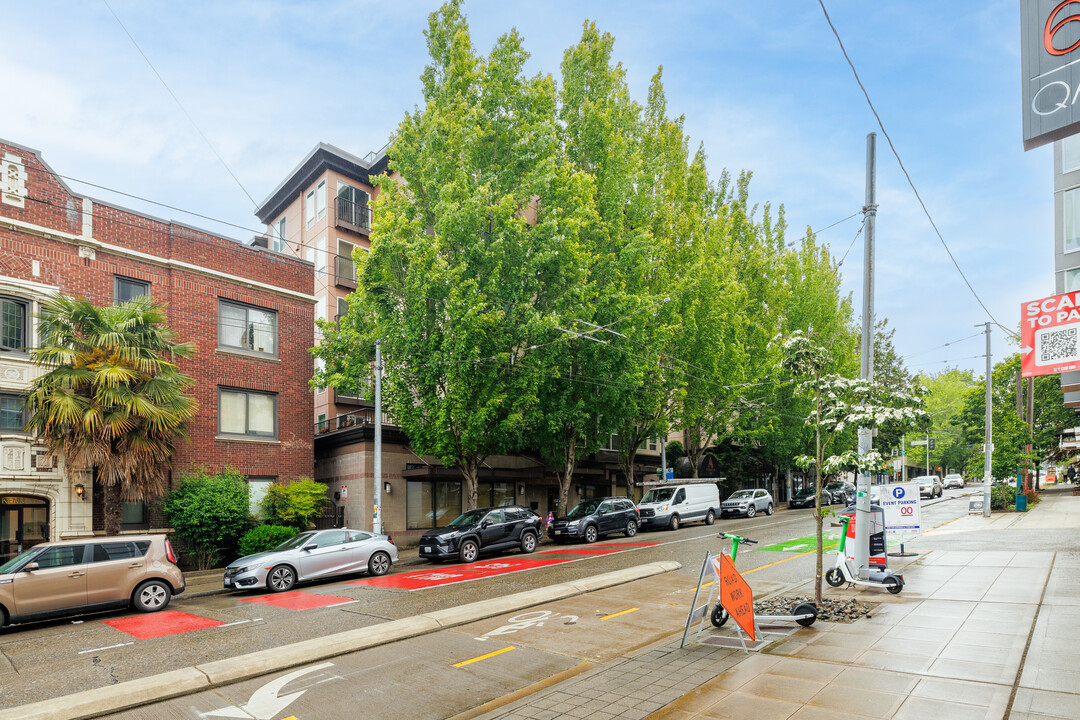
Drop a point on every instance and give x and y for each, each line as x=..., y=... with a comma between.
x=931, y=443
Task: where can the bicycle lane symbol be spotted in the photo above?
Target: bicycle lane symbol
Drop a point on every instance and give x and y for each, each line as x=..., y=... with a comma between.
x=524, y=621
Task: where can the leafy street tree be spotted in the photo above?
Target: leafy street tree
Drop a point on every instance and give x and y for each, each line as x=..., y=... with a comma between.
x=840, y=404
x=112, y=399
x=944, y=402
x=294, y=504
x=209, y=512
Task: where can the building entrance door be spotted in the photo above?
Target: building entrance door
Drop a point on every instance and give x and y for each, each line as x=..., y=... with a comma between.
x=24, y=523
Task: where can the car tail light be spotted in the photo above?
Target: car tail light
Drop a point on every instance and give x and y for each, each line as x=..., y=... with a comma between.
x=389, y=539
x=169, y=552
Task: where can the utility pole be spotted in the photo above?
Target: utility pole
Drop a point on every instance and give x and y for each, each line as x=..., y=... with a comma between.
x=928, y=457
x=903, y=458
x=989, y=447
x=376, y=518
x=866, y=437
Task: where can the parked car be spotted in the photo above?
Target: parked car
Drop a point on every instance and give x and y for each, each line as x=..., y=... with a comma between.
x=748, y=503
x=838, y=491
x=953, y=480
x=481, y=531
x=312, y=555
x=89, y=575
x=672, y=505
x=802, y=498
x=595, y=517
x=930, y=486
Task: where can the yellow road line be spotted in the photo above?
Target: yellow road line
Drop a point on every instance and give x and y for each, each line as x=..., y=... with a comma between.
x=463, y=663
x=608, y=617
x=808, y=552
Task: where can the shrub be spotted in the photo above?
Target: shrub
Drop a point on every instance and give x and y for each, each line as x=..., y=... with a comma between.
x=294, y=504
x=1032, y=498
x=208, y=512
x=264, y=537
x=1002, y=497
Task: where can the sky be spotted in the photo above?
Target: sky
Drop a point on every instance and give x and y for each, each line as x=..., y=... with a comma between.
x=763, y=87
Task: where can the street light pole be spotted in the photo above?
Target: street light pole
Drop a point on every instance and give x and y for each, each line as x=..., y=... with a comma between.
x=866, y=437
x=376, y=519
x=989, y=447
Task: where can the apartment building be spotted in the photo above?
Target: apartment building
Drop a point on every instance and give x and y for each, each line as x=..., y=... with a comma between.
x=321, y=211
x=249, y=310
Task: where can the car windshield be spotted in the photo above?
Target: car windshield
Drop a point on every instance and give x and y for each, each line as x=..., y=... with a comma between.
x=584, y=509
x=952, y=477
x=804, y=492
x=295, y=542
x=469, y=519
x=742, y=495
x=658, y=495
x=834, y=486
x=19, y=559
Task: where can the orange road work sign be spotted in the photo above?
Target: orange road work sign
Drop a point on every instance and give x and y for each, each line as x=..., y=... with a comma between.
x=735, y=594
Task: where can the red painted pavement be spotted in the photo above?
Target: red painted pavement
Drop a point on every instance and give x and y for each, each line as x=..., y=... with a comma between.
x=295, y=600
x=420, y=579
x=591, y=550
x=161, y=624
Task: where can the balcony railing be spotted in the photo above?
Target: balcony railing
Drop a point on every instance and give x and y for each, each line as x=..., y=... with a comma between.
x=353, y=216
x=345, y=272
x=340, y=422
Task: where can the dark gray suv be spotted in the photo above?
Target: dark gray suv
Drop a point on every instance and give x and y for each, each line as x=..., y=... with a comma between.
x=595, y=517
x=481, y=531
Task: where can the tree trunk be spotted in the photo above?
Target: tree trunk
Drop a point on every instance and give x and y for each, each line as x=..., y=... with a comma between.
x=111, y=507
x=818, y=519
x=629, y=456
x=566, y=474
x=470, y=470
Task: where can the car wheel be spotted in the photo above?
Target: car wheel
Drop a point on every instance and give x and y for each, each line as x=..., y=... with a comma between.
x=673, y=524
x=834, y=577
x=528, y=542
x=710, y=518
x=151, y=596
x=591, y=534
x=768, y=509
x=805, y=608
x=280, y=579
x=378, y=564
x=719, y=616
x=631, y=528
x=751, y=511
x=893, y=584
x=469, y=551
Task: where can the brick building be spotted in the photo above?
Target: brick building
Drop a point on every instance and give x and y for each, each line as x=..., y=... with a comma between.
x=248, y=309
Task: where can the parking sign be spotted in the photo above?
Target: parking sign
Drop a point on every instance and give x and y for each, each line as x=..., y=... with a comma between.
x=901, y=504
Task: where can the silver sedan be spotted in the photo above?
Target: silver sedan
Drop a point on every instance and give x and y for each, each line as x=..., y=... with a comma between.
x=313, y=555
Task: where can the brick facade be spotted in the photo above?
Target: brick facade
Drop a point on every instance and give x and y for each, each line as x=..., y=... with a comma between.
x=58, y=241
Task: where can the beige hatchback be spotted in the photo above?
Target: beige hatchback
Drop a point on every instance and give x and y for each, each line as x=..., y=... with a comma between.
x=89, y=575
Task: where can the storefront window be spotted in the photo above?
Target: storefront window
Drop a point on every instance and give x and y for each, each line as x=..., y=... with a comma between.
x=431, y=504
x=495, y=494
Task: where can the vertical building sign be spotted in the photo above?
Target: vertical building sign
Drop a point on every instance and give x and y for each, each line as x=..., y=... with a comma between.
x=1050, y=64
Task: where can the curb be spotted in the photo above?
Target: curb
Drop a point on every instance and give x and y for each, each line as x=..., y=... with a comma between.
x=164, y=686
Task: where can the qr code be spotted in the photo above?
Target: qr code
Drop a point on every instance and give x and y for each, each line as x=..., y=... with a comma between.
x=1057, y=345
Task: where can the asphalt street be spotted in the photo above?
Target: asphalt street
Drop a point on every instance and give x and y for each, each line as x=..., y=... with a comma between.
x=52, y=659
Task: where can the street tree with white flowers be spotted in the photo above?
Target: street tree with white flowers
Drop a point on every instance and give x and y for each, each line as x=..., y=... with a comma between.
x=840, y=406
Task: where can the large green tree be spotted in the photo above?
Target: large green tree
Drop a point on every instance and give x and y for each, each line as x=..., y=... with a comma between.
x=112, y=398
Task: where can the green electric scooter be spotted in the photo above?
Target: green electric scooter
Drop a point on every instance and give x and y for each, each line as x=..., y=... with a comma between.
x=804, y=613
x=843, y=572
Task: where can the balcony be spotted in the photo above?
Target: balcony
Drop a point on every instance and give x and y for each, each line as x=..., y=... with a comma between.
x=358, y=417
x=352, y=216
x=344, y=272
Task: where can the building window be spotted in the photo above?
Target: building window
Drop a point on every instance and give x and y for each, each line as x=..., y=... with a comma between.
x=494, y=494
x=1072, y=280
x=1072, y=219
x=320, y=200
x=246, y=413
x=1070, y=154
x=257, y=487
x=243, y=327
x=12, y=324
x=309, y=208
x=614, y=443
x=431, y=504
x=125, y=289
x=12, y=412
x=277, y=242
x=346, y=268
x=134, y=516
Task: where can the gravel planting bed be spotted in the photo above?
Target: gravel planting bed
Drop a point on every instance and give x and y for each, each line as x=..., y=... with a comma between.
x=829, y=611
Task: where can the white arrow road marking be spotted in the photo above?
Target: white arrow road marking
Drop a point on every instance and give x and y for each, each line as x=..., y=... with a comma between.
x=265, y=702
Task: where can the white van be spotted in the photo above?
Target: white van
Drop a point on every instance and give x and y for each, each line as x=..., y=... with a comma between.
x=672, y=505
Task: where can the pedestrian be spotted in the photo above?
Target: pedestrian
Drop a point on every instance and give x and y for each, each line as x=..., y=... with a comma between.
x=1071, y=473
x=550, y=519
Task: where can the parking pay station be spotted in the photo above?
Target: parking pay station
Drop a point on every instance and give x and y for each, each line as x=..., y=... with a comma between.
x=878, y=556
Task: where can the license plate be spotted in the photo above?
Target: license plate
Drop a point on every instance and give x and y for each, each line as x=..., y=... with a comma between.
x=228, y=582
x=426, y=549
x=558, y=532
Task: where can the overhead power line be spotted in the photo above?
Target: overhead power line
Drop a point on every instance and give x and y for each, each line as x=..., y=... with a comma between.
x=911, y=183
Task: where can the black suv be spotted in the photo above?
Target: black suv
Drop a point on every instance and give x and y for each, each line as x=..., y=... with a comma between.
x=595, y=517
x=482, y=530
x=805, y=498
x=838, y=491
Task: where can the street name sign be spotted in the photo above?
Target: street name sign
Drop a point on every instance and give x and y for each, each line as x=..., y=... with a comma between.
x=1049, y=332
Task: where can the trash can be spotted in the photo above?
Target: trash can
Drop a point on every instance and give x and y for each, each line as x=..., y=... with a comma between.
x=1021, y=502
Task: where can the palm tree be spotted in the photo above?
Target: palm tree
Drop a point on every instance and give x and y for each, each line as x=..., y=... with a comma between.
x=113, y=400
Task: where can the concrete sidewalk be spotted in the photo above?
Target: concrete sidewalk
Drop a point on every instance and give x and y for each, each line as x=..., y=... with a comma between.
x=990, y=633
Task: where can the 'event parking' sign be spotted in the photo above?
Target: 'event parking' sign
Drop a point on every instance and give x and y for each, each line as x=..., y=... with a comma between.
x=901, y=504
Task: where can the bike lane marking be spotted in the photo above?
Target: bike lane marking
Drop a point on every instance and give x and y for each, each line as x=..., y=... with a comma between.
x=463, y=663
x=423, y=579
x=161, y=624
x=295, y=600
x=615, y=615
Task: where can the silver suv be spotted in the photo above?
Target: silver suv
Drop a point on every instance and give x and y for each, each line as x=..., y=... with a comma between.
x=89, y=575
x=748, y=503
